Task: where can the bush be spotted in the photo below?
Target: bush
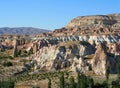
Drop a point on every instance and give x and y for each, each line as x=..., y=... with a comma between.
x=72, y=83
x=62, y=80
x=7, y=64
x=115, y=84
x=19, y=52
x=35, y=87
x=2, y=50
x=25, y=51
x=10, y=57
x=5, y=57
x=30, y=51
x=49, y=83
x=7, y=84
x=102, y=85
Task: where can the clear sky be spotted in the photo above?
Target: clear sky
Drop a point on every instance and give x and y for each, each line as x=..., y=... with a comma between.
x=51, y=14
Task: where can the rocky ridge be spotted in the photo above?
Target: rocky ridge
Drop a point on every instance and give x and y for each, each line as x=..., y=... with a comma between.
x=22, y=30
x=92, y=25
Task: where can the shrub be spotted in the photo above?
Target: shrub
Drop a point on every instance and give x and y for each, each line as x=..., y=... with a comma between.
x=10, y=57
x=7, y=84
x=19, y=52
x=118, y=68
x=35, y=87
x=7, y=64
x=30, y=51
x=62, y=80
x=72, y=83
x=49, y=83
x=24, y=51
x=2, y=50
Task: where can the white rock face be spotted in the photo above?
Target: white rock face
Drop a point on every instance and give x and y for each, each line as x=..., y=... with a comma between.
x=92, y=38
x=59, y=57
x=61, y=52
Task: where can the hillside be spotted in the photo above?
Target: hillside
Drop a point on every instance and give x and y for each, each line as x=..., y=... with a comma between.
x=22, y=30
x=91, y=25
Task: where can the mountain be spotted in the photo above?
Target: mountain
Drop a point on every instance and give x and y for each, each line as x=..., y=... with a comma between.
x=22, y=30
x=92, y=25
x=94, y=20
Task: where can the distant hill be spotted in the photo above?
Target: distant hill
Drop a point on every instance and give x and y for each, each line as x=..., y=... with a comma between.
x=22, y=30
x=91, y=25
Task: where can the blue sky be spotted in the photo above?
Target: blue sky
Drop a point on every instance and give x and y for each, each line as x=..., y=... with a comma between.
x=51, y=14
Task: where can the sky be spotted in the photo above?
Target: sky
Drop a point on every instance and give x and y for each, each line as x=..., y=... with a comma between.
x=51, y=14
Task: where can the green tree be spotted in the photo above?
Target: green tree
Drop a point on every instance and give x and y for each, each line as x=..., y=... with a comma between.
x=91, y=82
x=15, y=53
x=7, y=84
x=7, y=64
x=49, y=83
x=118, y=68
x=30, y=51
x=115, y=84
x=84, y=81
x=19, y=52
x=79, y=81
x=107, y=72
x=87, y=82
x=72, y=83
x=62, y=82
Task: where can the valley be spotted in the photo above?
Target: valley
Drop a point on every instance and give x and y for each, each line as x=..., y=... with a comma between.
x=87, y=45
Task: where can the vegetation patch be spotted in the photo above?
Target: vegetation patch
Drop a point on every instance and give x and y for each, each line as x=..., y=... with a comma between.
x=7, y=64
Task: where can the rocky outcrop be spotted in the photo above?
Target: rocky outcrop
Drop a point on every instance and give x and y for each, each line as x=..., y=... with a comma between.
x=100, y=60
x=15, y=48
x=114, y=48
x=61, y=55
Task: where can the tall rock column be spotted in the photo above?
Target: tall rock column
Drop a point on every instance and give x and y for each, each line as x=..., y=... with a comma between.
x=15, y=49
x=100, y=60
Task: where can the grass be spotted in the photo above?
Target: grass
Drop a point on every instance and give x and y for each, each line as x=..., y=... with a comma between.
x=101, y=79
x=71, y=43
x=41, y=79
x=89, y=56
x=6, y=53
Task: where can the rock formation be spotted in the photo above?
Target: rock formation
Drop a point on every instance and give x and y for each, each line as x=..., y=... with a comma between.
x=59, y=53
x=100, y=60
x=15, y=48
